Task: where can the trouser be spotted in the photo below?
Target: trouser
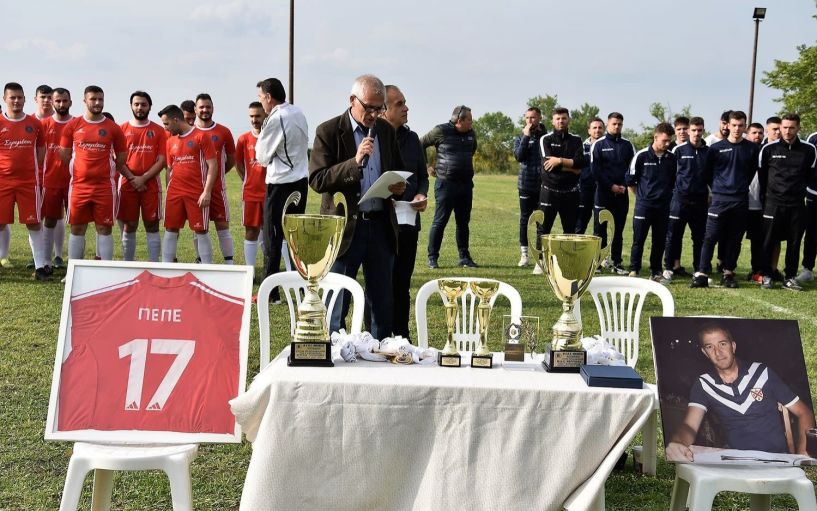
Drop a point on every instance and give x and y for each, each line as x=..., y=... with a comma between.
x=273, y=232
x=649, y=217
x=725, y=225
x=401, y=278
x=587, y=199
x=528, y=202
x=371, y=247
x=681, y=214
x=810, y=240
x=451, y=196
x=783, y=223
x=564, y=204
x=755, y=234
x=619, y=206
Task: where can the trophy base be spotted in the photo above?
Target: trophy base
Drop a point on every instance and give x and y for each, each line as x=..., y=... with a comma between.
x=449, y=360
x=310, y=354
x=514, y=352
x=564, y=361
x=482, y=361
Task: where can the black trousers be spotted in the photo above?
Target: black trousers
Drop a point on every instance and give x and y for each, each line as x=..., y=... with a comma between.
x=587, y=199
x=725, y=225
x=619, y=206
x=810, y=240
x=273, y=232
x=563, y=204
x=683, y=214
x=449, y=196
x=756, y=236
x=649, y=217
x=528, y=202
x=783, y=223
x=401, y=278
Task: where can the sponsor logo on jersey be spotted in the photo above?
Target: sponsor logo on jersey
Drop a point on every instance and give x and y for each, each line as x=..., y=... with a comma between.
x=17, y=144
x=781, y=156
x=605, y=149
x=727, y=150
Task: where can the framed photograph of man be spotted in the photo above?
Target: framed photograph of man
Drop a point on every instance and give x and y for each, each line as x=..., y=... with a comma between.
x=733, y=391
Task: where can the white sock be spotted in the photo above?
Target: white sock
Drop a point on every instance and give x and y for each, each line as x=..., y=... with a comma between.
x=285, y=255
x=5, y=239
x=35, y=239
x=154, y=246
x=250, y=252
x=524, y=250
x=205, y=248
x=59, y=238
x=96, y=245
x=196, y=247
x=76, y=246
x=169, y=249
x=128, y=245
x=48, y=242
x=225, y=243
x=104, y=245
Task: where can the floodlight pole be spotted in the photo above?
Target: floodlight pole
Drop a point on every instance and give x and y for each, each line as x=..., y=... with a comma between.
x=292, y=51
x=754, y=67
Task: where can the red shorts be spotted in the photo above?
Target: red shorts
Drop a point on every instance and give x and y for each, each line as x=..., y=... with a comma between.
x=132, y=202
x=219, y=208
x=55, y=202
x=27, y=197
x=253, y=214
x=180, y=208
x=95, y=204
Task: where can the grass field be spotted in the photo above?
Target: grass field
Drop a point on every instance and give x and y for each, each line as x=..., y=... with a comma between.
x=32, y=471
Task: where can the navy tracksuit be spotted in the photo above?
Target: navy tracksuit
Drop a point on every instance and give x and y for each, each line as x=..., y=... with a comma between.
x=653, y=177
x=526, y=152
x=587, y=192
x=610, y=159
x=728, y=170
x=810, y=241
x=689, y=204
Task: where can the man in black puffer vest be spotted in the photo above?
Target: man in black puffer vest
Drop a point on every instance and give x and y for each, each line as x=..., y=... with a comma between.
x=456, y=144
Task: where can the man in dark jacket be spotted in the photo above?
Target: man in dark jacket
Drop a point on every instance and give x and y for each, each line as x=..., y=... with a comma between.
x=587, y=183
x=526, y=152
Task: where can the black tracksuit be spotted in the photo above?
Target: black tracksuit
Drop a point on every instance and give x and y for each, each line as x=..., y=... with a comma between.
x=560, y=189
x=810, y=241
x=688, y=205
x=587, y=192
x=610, y=159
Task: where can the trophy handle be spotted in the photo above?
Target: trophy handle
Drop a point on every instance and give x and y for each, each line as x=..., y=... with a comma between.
x=294, y=198
x=537, y=217
x=606, y=216
x=340, y=200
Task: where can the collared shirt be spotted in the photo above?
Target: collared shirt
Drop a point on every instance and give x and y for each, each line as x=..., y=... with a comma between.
x=371, y=171
x=282, y=145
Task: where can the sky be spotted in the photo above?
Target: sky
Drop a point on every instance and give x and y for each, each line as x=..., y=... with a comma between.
x=491, y=56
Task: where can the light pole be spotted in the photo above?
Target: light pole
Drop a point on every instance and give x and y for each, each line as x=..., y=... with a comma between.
x=758, y=15
x=292, y=52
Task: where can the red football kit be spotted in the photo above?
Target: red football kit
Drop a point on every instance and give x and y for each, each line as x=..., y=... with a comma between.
x=145, y=144
x=19, y=169
x=92, y=192
x=57, y=174
x=187, y=157
x=255, y=187
x=223, y=141
x=152, y=354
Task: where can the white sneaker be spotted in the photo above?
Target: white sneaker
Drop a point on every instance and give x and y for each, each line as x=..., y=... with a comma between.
x=667, y=275
x=805, y=275
x=523, y=261
x=537, y=270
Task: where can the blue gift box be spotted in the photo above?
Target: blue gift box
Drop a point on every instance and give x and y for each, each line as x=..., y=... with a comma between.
x=623, y=377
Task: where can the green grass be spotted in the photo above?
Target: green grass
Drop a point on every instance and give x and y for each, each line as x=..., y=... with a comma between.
x=32, y=471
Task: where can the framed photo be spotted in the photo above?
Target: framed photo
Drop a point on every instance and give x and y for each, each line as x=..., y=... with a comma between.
x=733, y=391
x=150, y=353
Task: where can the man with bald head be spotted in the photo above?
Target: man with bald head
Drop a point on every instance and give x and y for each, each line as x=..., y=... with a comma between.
x=350, y=152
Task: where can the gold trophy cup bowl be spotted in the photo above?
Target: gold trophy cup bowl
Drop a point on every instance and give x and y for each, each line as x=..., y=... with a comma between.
x=484, y=290
x=452, y=289
x=313, y=242
x=569, y=262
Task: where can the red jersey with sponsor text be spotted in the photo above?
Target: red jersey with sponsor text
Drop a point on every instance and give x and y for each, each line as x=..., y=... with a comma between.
x=187, y=157
x=94, y=143
x=152, y=354
x=255, y=187
x=144, y=145
x=224, y=144
x=19, y=140
x=57, y=173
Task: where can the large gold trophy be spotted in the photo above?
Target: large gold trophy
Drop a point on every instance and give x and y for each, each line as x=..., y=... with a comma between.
x=452, y=289
x=484, y=290
x=569, y=262
x=314, y=242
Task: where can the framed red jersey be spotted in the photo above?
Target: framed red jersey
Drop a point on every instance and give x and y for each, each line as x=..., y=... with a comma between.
x=150, y=352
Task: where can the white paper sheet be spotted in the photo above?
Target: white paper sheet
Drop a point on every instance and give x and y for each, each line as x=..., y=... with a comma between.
x=380, y=188
x=406, y=215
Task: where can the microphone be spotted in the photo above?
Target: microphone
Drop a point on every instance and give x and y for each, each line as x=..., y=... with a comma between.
x=365, y=161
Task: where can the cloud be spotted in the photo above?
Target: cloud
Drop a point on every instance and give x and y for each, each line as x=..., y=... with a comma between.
x=49, y=47
x=234, y=16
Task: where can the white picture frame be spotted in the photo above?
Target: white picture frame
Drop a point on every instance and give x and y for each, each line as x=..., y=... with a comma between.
x=85, y=276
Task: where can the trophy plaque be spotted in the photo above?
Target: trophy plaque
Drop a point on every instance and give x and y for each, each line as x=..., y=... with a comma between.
x=514, y=350
x=484, y=290
x=569, y=262
x=452, y=289
x=313, y=241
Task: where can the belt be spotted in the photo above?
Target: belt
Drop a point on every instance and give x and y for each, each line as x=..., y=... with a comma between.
x=371, y=215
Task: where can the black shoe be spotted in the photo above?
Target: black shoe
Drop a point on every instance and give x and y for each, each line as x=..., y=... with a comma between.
x=699, y=281
x=198, y=260
x=58, y=263
x=618, y=270
x=30, y=265
x=41, y=275
x=680, y=272
x=432, y=263
x=777, y=276
x=467, y=262
x=48, y=270
x=728, y=281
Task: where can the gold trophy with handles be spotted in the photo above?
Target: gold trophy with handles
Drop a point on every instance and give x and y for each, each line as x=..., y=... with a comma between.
x=452, y=289
x=484, y=290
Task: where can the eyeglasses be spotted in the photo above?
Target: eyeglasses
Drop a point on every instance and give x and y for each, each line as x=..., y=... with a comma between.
x=371, y=109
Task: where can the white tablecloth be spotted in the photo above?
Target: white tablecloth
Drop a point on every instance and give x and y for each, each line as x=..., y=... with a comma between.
x=384, y=436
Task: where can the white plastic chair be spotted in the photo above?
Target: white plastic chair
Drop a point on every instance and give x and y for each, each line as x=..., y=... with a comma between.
x=619, y=301
x=466, y=329
x=294, y=287
x=700, y=483
x=174, y=460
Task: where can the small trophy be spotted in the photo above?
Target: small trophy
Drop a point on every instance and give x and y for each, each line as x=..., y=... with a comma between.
x=314, y=242
x=514, y=350
x=452, y=289
x=485, y=290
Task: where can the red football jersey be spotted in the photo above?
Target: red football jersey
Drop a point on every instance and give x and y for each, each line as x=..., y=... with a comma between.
x=187, y=157
x=57, y=174
x=145, y=144
x=95, y=144
x=255, y=186
x=152, y=354
x=19, y=140
x=223, y=141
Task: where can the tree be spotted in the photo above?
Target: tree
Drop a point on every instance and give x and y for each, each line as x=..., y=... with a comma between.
x=495, y=133
x=544, y=103
x=580, y=118
x=797, y=80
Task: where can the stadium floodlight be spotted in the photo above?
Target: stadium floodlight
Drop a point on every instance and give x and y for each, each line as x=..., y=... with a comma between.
x=760, y=13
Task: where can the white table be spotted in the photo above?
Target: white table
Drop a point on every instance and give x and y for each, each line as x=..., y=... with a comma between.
x=383, y=436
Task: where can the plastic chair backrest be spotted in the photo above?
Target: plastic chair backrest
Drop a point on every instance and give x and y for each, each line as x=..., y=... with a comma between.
x=294, y=288
x=619, y=301
x=466, y=329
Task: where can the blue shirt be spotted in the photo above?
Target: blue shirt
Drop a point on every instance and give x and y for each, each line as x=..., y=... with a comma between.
x=610, y=158
x=690, y=184
x=730, y=168
x=371, y=172
x=653, y=176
